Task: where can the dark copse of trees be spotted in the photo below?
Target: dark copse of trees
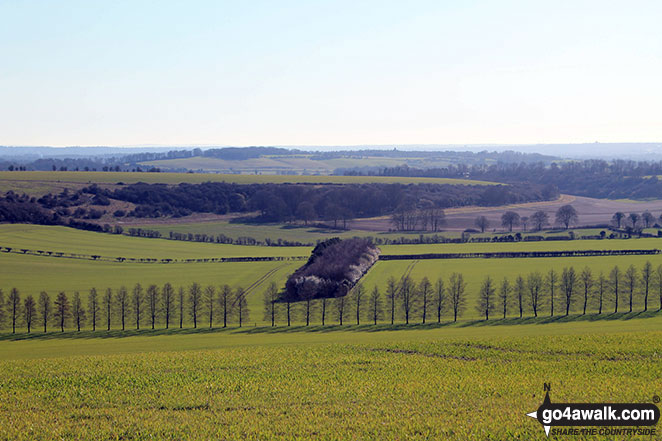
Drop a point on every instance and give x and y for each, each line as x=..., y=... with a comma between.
x=332, y=270
x=305, y=202
x=593, y=178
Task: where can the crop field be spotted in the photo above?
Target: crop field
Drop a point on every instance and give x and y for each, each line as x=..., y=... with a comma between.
x=561, y=245
x=41, y=182
x=69, y=275
x=56, y=238
x=475, y=270
x=451, y=383
x=292, y=164
x=291, y=232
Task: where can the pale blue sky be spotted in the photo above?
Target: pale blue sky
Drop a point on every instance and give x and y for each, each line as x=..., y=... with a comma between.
x=329, y=73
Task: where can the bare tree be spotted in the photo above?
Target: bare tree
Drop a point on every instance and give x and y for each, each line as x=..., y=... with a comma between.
x=439, y=297
x=306, y=212
x=634, y=220
x=241, y=305
x=108, y=306
x=534, y=284
x=552, y=279
x=482, y=223
x=270, y=298
x=153, y=303
x=520, y=292
x=648, y=219
x=407, y=296
x=424, y=296
x=658, y=273
x=375, y=302
x=540, y=220
x=358, y=294
x=77, y=310
x=45, y=308
x=93, y=307
x=504, y=296
x=339, y=304
x=225, y=302
x=646, y=278
x=137, y=303
x=567, y=215
x=600, y=291
x=307, y=293
x=630, y=280
x=168, y=301
x=617, y=218
x=14, y=307
x=525, y=221
x=29, y=311
x=194, y=299
x=615, y=284
x=437, y=218
x=510, y=219
x=122, y=300
x=486, y=298
x=182, y=299
x=568, y=283
x=323, y=307
x=391, y=295
x=457, y=295
x=210, y=300
x=62, y=309
x=587, y=281
x=288, y=310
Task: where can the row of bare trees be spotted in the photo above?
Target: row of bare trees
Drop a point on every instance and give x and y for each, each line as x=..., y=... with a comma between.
x=553, y=293
x=635, y=220
x=407, y=218
x=403, y=299
x=565, y=216
x=569, y=290
x=123, y=307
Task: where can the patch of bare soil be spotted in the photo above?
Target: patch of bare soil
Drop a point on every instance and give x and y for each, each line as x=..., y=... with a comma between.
x=591, y=212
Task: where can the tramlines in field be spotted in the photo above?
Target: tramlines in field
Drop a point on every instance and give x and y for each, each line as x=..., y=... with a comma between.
x=451, y=383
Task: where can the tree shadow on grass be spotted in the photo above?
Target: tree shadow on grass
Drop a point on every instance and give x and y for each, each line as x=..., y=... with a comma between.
x=315, y=329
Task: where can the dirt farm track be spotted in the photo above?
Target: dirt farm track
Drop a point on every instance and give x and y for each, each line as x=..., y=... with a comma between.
x=591, y=212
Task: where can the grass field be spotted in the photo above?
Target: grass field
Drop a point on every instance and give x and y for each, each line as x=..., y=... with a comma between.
x=69, y=275
x=56, y=238
x=310, y=234
x=290, y=232
x=41, y=182
x=293, y=164
x=451, y=383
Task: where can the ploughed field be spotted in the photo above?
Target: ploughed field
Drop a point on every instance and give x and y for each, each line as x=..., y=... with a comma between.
x=451, y=383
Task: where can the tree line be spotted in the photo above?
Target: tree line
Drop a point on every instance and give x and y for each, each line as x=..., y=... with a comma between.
x=592, y=177
x=124, y=308
x=535, y=294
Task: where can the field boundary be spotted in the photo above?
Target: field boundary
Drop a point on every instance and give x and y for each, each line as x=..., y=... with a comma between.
x=518, y=254
x=99, y=258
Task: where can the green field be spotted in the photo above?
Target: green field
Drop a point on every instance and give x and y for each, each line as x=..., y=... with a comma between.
x=299, y=164
x=290, y=232
x=310, y=234
x=56, y=238
x=41, y=182
x=450, y=383
x=568, y=245
x=69, y=275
